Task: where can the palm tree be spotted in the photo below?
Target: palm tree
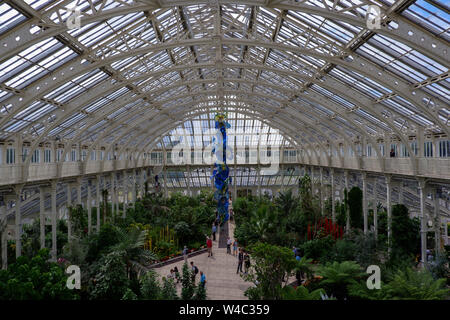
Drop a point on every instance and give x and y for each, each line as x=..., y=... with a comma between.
x=131, y=248
x=286, y=202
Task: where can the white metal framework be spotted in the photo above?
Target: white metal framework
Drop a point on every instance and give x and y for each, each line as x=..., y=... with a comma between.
x=96, y=89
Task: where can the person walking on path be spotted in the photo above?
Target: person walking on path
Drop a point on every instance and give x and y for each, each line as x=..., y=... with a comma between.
x=214, y=230
x=246, y=263
x=202, y=279
x=194, y=271
x=240, y=261
x=185, y=254
x=177, y=274
x=209, y=246
x=235, y=247
x=228, y=245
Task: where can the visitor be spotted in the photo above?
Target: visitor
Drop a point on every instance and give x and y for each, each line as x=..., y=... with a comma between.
x=392, y=153
x=240, y=261
x=209, y=246
x=246, y=262
x=214, y=230
x=202, y=279
x=177, y=274
x=171, y=274
x=185, y=254
x=194, y=271
x=235, y=247
x=228, y=245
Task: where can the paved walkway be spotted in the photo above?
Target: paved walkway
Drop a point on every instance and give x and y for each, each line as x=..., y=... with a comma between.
x=222, y=282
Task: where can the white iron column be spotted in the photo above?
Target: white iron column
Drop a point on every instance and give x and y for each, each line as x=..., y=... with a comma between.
x=54, y=247
x=437, y=222
x=259, y=181
x=4, y=232
x=375, y=209
x=112, y=193
x=142, y=183
x=347, y=213
x=400, y=193
x=69, y=205
x=133, y=180
x=321, y=193
x=99, y=200
x=166, y=192
x=125, y=195
x=18, y=222
x=389, y=210
x=79, y=182
x=423, y=222
x=333, y=210
x=365, y=208
x=116, y=192
x=234, y=182
x=42, y=216
x=88, y=206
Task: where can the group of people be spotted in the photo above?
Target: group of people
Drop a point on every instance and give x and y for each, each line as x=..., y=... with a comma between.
x=175, y=275
x=243, y=259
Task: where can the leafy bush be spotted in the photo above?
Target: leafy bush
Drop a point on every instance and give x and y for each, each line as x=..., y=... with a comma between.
x=301, y=293
x=317, y=248
x=355, y=207
x=338, y=276
x=35, y=279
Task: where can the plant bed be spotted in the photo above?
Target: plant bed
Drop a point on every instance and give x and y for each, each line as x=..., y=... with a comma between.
x=177, y=258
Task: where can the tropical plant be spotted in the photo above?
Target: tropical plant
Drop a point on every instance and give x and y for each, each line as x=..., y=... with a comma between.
x=337, y=276
x=271, y=264
x=187, y=284
x=168, y=290
x=35, y=279
x=150, y=288
x=301, y=293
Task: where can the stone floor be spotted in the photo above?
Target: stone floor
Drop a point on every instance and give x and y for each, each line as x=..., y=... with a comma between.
x=222, y=282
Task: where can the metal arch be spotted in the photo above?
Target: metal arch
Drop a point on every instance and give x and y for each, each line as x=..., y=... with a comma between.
x=438, y=52
x=190, y=95
x=331, y=87
x=164, y=124
x=155, y=141
x=358, y=64
x=252, y=102
x=158, y=139
x=263, y=83
x=125, y=133
x=34, y=145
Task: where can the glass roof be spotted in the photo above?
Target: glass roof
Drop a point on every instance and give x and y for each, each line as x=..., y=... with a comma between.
x=134, y=70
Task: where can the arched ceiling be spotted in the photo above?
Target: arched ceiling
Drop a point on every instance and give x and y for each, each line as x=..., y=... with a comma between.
x=136, y=69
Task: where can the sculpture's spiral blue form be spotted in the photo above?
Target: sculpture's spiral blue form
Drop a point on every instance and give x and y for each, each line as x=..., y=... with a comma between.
x=221, y=171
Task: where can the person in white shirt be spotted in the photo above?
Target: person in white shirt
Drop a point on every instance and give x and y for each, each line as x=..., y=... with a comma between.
x=229, y=245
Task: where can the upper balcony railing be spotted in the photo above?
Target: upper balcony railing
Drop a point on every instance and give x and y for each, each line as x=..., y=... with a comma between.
x=432, y=167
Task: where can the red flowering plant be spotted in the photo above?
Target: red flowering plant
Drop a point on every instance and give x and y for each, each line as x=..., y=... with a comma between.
x=325, y=227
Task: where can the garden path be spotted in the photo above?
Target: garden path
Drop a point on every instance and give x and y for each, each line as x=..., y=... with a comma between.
x=222, y=282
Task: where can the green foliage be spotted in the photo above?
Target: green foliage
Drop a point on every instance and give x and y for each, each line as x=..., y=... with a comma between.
x=355, y=208
x=111, y=281
x=169, y=291
x=187, y=289
x=406, y=284
x=35, y=279
x=150, y=289
x=405, y=231
x=301, y=293
x=200, y=293
x=317, y=248
x=129, y=295
x=337, y=276
x=270, y=264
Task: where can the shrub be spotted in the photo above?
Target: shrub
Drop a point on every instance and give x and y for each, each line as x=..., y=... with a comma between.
x=317, y=248
x=355, y=207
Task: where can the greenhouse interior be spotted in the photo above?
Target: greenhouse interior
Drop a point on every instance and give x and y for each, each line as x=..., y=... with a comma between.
x=224, y=150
